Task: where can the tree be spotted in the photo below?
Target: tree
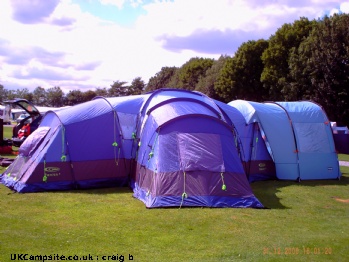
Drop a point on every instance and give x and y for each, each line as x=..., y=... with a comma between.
x=224, y=83
x=188, y=75
x=322, y=62
x=300, y=86
x=240, y=76
x=137, y=86
x=55, y=97
x=74, y=97
x=118, y=89
x=161, y=79
x=276, y=76
x=207, y=83
x=101, y=92
x=10, y=94
x=89, y=95
x=3, y=93
x=23, y=93
x=39, y=96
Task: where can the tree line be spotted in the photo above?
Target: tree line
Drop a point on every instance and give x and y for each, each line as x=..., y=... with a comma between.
x=55, y=97
x=303, y=60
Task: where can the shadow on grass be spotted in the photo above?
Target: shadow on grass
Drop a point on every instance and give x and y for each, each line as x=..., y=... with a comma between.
x=102, y=191
x=93, y=191
x=267, y=191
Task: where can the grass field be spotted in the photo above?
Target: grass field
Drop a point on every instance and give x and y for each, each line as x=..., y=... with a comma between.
x=307, y=221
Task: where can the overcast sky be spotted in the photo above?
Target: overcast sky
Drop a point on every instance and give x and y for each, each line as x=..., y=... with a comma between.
x=84, y=44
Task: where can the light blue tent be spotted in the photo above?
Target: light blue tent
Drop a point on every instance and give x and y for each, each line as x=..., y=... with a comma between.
x=298, y=136
x=257, y=161
x=317, y=158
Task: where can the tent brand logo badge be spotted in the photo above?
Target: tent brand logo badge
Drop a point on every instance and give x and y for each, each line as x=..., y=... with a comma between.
x=52, y=171
x=262, y=166
x=330, y=169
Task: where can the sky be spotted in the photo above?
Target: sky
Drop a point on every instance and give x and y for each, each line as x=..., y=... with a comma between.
x=88, y=44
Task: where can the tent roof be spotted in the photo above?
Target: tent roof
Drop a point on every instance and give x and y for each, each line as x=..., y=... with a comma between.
x=162, y=95
x=177, y=108
x=304, y=111
x=127, y=104
x=82, y=112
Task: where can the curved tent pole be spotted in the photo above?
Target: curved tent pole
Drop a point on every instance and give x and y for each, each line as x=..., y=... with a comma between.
x=323, y=111
x=154, y=93
x=142, y=113
x=194, y=115
x=327, y=122
x=222, y=115
x=116, y=116
x=294, y=136
x=226, y=117
x=170, y=101
x=238, y=142
x=177, y=99
x=116, y=122
x=150, y=156
x=236, y=134
x=65, y=148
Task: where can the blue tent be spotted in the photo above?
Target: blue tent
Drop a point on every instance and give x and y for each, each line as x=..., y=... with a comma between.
x=187, y=154
x=298, y=136
x=317, y=157
x=174, y=147
x=78, y=147
x=256, y=159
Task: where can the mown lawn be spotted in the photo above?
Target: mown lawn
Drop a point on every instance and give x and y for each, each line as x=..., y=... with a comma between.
x=305, y=221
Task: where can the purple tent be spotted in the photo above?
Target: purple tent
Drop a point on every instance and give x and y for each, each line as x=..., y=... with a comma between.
x=187, y=155
x=84, y=146
x=175, y=148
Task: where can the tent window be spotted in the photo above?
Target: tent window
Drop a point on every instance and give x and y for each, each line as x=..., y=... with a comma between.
x=33, y=141
x=312, y=137
x=200, y=151
x=127, y=123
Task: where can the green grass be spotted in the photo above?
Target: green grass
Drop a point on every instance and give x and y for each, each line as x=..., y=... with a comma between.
x=343, y=157
x=7, y=131
x=308, y=217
